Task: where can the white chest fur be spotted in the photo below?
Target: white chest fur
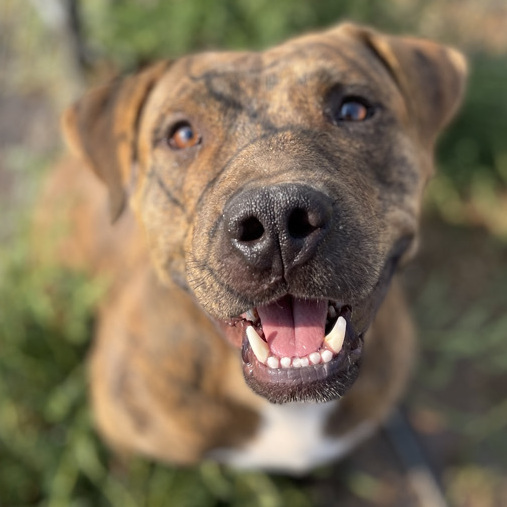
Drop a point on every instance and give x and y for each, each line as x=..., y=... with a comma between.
x=292, y=439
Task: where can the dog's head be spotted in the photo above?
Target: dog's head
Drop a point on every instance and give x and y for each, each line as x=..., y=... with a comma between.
x=280, y=188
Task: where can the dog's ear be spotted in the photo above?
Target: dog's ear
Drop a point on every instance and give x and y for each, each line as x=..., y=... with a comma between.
x=102, y=127
x=431, y=76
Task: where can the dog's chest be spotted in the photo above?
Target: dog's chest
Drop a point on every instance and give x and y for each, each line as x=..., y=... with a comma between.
x=292, y=438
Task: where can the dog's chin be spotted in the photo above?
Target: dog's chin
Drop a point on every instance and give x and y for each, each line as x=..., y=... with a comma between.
x=302, y=348
x=299, y=349
x=316, y=383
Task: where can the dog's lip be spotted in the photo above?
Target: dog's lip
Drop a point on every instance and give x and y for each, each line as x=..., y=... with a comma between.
x=315, y=382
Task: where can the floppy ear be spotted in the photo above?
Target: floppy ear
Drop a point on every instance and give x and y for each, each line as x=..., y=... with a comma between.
x=430, y=76
x=102, y=127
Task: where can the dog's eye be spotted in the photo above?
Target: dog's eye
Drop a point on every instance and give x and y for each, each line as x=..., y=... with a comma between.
x=354, y=109
x=182, y=135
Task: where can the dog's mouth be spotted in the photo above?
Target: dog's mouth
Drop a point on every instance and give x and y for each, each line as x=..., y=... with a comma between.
x=296, y=349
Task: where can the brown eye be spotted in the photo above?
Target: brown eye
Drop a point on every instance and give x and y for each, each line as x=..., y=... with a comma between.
x=182, y=135
x=354, y=110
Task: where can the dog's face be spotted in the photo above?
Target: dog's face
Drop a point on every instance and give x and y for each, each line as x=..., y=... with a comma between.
x=281, y=188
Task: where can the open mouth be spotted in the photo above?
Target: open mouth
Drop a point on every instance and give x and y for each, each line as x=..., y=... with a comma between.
x=298, y=349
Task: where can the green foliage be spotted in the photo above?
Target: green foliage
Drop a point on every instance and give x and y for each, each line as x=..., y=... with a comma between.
x=132, y=30
x=459, y=305
x=44, y=329
x=474, y=149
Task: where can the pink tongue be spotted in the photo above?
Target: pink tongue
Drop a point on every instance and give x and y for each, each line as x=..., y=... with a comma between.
x=293, y=327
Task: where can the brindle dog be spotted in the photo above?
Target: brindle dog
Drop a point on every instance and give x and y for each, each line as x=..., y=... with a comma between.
x=277, y=194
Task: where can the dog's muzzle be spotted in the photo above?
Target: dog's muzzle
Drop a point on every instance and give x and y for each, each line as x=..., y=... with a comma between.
x=293, y=348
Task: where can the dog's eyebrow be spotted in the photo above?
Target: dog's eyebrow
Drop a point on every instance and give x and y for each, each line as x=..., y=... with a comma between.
x=348, y=57
x=228, y=100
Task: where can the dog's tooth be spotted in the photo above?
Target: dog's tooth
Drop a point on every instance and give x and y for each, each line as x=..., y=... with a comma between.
x=250, y=315
x=331, y=312
x=304, y=361
x=334, y=340
x=314, y=358
x=326, y=355
x=259, y=346
x=296, y=362
x=285, y=362
x=273, y=362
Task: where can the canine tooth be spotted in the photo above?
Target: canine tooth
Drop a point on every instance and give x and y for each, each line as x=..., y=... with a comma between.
x=314, y=358
x=334, y=340
x=304, y=361
x=285, y=362
x=296, y=362
x=259, y=346
x=250, y=315
x=273, y=362
x=326, y=355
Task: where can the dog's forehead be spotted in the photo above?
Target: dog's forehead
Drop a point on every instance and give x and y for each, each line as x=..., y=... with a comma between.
x=317, y=61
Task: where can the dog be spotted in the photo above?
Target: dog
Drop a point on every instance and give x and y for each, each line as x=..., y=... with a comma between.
x=250, y=211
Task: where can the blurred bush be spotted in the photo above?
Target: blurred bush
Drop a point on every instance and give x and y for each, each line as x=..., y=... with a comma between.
x=131, y=30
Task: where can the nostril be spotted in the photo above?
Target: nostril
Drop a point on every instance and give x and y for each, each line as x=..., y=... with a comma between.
x=300, y=224
x=251, y=229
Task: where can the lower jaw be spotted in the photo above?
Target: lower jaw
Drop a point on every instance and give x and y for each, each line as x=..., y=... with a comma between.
x=322, y=382
x=314, y=383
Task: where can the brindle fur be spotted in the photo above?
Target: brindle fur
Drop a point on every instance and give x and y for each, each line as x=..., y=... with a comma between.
x=164, y=381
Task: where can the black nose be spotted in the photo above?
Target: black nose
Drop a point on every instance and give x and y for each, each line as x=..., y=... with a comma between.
x=284, y=222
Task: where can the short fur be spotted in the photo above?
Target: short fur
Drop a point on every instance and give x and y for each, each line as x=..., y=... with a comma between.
x=164, y=381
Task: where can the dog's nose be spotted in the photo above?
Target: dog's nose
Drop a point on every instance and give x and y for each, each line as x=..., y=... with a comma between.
x=283, y=222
